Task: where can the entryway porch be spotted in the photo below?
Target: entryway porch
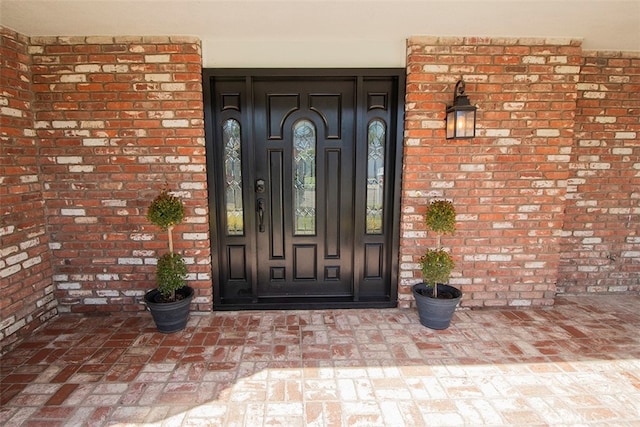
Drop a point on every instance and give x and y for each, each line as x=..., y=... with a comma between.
x=577, y=362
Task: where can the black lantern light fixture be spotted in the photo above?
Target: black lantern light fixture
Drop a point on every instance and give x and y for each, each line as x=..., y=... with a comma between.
x=461, y=116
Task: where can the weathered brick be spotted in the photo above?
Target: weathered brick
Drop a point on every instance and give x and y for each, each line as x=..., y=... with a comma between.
x=25, y=261
x=499, y=237
x=108, y=114
x=110, y=109
x=599, y=207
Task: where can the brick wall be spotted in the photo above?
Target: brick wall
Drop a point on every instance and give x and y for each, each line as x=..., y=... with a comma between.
x=93, y=127
x=117, y=118
x=508, y=184
x=26, y=290
x=601, y=252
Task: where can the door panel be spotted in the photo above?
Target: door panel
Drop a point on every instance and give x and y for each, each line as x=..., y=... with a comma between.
x=304, y=183
x=307, y=136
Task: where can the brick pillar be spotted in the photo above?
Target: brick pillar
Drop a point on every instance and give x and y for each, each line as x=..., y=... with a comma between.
x=26, y=290
x=601, y=252
x=117, y=119
x=508, y=184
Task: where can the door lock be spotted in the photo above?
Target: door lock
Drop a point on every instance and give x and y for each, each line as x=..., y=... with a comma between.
x=259, y=185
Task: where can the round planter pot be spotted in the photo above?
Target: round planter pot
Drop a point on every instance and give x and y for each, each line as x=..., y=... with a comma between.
x=169, y=316
x=436, y=313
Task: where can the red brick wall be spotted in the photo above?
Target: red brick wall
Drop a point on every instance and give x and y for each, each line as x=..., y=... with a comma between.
x=601, y=252
x=93, y=127
x=26, y=290
x=116, y=119
x=508, y=184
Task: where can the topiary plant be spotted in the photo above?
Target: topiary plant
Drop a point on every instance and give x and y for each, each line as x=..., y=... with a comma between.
x=166, y=211
x=437, y=264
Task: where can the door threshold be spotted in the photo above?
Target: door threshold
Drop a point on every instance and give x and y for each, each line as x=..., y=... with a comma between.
x=292, y=303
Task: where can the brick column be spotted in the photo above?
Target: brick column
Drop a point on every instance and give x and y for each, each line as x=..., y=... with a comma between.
x=118, y=118
x=26, y=290
x=508, y=184
x=601, y=252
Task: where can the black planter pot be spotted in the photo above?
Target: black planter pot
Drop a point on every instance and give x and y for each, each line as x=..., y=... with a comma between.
x=169, y=316
x=436, y=313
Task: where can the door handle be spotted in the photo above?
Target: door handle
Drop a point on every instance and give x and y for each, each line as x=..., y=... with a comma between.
x=261, y=215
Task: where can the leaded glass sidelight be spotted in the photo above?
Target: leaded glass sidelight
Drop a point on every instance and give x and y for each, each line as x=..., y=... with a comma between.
x=233, y=177
x=376, y=137
x=304, y=183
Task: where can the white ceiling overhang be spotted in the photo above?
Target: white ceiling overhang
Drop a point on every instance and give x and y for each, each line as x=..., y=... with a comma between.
x=328, y=33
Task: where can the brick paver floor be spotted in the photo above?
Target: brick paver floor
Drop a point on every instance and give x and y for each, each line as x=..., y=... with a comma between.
x=577, y=363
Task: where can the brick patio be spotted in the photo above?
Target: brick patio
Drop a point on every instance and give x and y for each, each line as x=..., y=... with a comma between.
x=575, y=363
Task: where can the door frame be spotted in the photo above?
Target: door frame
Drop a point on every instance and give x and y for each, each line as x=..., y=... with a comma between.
x=214, y=187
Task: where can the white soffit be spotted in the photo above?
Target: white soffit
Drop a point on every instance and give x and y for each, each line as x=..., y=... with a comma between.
x=316, y=33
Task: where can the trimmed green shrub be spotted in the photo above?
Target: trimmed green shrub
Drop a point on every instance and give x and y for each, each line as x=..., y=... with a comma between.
x=436, y=267
x=171, y=274
x=166, y=210
x=441, y=217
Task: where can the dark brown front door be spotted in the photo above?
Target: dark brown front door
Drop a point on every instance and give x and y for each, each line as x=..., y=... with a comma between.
x=304, y=145
x=302, y=178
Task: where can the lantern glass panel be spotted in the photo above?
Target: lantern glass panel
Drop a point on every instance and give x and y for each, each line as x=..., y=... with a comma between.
x=451, y=124
x=465, y=124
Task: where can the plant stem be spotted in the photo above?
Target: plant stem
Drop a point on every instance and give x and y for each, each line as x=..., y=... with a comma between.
x=435, y=285
x=169, y=229
x=170, y=234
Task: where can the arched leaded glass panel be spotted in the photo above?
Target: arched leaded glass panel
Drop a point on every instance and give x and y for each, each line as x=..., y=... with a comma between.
x=376, y=137
x=304, y=166
x=233, y=177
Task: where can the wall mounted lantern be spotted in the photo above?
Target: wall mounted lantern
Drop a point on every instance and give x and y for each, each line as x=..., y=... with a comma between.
x=461, y=116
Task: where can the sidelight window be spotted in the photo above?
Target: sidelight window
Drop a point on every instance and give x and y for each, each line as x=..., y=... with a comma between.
x=377, y=134
x=233, y=177
x=304, y=183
